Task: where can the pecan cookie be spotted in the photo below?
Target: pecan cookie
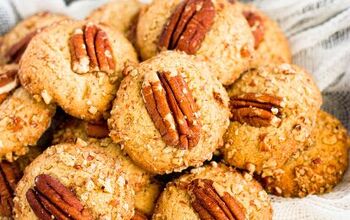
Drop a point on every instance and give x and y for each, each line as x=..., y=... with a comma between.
x=23, y=119
x=317, y=169
x=213, y=30
x=271, y=45
x=10, y=174
x=73, y=181
x=170, y=113
x=273, y=113
x=119, y=14
x=77, y=131
x=14, y=43
x=214, y=192
x=76, y=64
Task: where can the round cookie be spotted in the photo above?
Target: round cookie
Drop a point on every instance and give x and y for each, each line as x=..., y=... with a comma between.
x=82, y=79
x=319, y=167
x=224, y=38
x=119, y=14
x=97, y=185
x=273, y=114
x=10, y=174
x=271, y=45
x=169, y=125
x=14, y=43
x=205, y=188
x=23, y=119
x=76, y=131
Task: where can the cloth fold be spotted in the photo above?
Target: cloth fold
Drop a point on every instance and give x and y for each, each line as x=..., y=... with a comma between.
x=319, y=34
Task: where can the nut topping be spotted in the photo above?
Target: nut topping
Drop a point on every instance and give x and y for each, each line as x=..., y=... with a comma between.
x=210, y=204
x=257, y=26
x=8, y=82
x=15, y=52
x=97, y=130
x=50, y=198
x=187, y=26
x=9, y=176
x=91, y=50
x=258, y=110
x=170, y=104
x=139, y=216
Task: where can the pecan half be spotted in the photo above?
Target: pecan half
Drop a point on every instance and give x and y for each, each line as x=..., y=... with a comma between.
x=139, y=216
x=170, y=104
x=257, y=25
x=50, y=198
x=8, y=82
x=258, y=110
x=210, y=204
x=187, y=26
x=9, y=176
x=91, y=50
x=97, y=130
x=15, y=52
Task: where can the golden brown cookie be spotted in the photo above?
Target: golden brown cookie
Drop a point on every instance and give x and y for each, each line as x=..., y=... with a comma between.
x=146, y=197
x=271, y=45
x=223, y=38
x=170, y=113
x=119, y=14
x=14, y=43
x=317, y=169
x=23, y=119
x=273, y=113
x=76, y=131
x=93, y=185
x=214, y=192
x=76, y=64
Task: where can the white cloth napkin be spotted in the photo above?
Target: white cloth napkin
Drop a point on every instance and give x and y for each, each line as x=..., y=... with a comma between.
x=319, y=33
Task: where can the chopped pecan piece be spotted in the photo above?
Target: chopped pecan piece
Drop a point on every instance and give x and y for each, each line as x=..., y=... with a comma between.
x=15, y=52
x=257, y=25
x=8, y=82
x=211, y=204
x=258, y=110
x=187, y=26
x=172, y=108
x=50, y=198
x=9, y=176
x=97, y=130
x=91, y=50
x=139, y=216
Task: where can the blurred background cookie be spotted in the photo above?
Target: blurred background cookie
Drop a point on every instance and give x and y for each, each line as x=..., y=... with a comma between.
x=93, y=185
x=14, y=43
x=319, y=167
x=273, y=113
x=76, y=64
x=223, y=38
x=170, y=113
x=214, y=192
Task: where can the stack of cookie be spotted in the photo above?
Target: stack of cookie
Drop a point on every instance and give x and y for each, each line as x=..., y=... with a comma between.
x=179, y=109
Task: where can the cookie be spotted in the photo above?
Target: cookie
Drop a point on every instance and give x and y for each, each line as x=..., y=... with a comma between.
x=213, y=192
x=93, y=184
x=14, y=43
x=146, y=198
x=76, y=131
x=82, y=79
x=23, y=119
x=224, y=38
x=273, y=113
x=170, y=113
x=10, y=174
x=317, y=169
x=119, y=14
